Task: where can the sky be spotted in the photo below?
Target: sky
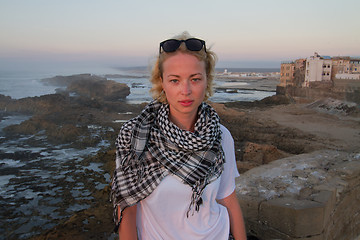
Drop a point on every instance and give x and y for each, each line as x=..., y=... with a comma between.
x=125, y=33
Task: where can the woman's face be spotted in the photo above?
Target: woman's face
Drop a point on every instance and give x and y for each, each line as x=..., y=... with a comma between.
x=184, y=83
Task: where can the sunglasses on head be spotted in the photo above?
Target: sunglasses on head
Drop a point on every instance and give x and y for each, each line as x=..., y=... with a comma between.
x=192, y=44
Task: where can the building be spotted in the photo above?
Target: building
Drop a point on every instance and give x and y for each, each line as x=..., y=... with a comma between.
x=287, y=73
x=292, y=73
x=300, y=67
x=341, y=74
x=318, y=69
x=341, y=65
x=347, y=77
x=355, y=65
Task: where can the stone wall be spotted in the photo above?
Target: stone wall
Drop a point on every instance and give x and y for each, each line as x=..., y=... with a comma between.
x=310, y=196
x=318, y=93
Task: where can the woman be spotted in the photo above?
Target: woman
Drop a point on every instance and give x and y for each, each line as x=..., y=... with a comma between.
x=175, y=165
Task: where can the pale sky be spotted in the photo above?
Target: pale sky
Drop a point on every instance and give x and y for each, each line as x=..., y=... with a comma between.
x=253, y=33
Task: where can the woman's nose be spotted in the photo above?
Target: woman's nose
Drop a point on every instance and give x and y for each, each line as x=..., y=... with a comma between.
x=186, y=88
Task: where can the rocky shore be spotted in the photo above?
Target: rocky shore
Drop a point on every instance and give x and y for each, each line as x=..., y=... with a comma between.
x=264, y=131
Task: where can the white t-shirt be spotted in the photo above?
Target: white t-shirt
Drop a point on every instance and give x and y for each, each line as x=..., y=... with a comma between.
x=162, y=215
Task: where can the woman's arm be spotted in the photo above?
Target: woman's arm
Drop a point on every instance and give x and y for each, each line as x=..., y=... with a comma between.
x=127, y=228
x=237, y=226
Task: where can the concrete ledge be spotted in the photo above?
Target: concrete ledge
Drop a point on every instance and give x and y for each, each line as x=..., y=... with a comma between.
x=310, y=196
x=295, y=218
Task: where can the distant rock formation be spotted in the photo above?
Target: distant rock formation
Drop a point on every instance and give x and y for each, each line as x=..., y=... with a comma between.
x=91, y=86
x=63, y=81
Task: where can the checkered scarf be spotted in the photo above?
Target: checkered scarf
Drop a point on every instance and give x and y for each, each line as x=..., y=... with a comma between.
x=150, y=146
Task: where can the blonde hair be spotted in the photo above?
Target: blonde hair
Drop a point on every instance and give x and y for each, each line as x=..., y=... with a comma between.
x=208, y=56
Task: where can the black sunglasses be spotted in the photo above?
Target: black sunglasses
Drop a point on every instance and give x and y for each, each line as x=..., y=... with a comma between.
x=192, y=44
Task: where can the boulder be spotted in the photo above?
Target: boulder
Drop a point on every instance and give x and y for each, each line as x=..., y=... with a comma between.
x=308, y=196
x=261, y=153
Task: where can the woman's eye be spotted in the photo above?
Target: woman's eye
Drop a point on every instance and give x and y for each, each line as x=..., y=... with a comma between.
x=174, y=80
x=196, y=79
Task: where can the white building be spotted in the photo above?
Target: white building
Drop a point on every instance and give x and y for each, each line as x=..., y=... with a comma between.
x=318, y=68
x=349, y=76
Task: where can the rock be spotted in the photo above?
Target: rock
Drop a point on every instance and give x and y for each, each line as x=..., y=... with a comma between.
x=261, y=153
x=335, y=106
x=4, y=99
x=42, y=104
x=226, y=113
x=259, y=141
x=294, y=218
x=94, y=222
x=91, y=86
x=264, y=103
x=275, y=100
x=107, y=90
x=64, y=81
x=308, y=196
x=68, y=120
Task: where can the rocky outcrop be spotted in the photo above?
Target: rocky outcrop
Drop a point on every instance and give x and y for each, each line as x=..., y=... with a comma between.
x=92, y=223
x=64, y=81
x=68, y=120
x=34, y=105
x=107, y=90
x=91, y=86
x=258, y=140
x=308, y=196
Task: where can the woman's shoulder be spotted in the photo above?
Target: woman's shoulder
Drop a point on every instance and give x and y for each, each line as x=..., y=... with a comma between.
x=146, y=116
x=128, y=125
x=226, y=137
x=127, y=128
x=225, y=131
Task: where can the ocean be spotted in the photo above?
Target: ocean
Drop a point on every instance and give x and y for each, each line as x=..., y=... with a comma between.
x=43, y=184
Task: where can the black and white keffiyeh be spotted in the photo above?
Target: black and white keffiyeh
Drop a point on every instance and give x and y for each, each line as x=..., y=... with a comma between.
x=150, y=146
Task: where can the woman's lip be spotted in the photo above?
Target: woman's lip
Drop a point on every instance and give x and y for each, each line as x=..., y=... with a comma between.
x=186, y=102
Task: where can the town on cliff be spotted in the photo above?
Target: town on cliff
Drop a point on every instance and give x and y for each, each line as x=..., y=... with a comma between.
x=324, y=76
